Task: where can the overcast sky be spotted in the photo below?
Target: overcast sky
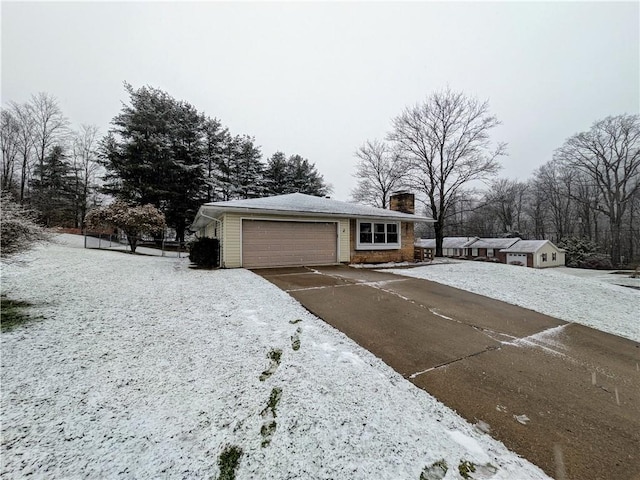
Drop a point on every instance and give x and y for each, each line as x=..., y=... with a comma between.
x=318, y=79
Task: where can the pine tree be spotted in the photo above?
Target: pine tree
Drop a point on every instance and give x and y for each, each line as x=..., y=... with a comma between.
x=52, y=189
x=155, y=154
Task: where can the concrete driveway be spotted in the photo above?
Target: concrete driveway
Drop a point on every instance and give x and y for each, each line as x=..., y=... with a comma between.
x=564, y=396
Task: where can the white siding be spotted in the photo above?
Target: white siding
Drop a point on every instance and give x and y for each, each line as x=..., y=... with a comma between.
x=549, y=249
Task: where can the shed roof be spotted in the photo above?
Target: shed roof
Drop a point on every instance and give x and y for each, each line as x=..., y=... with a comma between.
x=299, y=204
x=528, y=246
x=495, y=243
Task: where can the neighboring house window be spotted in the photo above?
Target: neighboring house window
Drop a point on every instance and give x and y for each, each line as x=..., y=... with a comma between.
x=474, y=252
x=489, y=252
x=553, y=257
x=378, y=235
x=544, y=257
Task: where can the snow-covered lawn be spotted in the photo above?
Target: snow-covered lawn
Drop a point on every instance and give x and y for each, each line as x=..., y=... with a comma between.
x=144, y=368
x=584, y=299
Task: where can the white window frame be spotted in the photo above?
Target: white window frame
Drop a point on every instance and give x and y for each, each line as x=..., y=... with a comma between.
x=474, y=252
x=490, y=252
x=378, y=246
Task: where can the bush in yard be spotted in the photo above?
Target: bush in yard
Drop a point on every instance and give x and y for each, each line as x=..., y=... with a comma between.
x=18, y=228
x=134, y=221
x=597, y=262
x=578, y=250
x=204, y=252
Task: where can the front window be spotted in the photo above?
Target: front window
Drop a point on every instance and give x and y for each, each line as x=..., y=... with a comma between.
x=489, y=252
x=553, y=257
x=378, y=235
x=544, y=257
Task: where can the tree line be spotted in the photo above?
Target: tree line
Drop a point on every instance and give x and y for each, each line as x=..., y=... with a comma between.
x=159, y=151
x=441, y=149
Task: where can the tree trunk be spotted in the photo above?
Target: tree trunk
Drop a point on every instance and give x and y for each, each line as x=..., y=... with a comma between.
x=616, y=244
x=133, y=242
x=439, y=231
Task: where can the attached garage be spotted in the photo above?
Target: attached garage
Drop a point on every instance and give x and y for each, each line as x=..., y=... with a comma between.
x=298, y=230
x=268, y=243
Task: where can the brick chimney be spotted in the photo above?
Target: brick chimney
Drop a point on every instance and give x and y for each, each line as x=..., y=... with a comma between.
x=402, y=202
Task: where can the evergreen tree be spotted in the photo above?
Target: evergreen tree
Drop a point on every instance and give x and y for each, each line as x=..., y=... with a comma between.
x=155, y=154
x=275, y=174
x=52, y=189
x=295, y=174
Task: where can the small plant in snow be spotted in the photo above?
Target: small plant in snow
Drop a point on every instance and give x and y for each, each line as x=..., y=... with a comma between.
x=134, y=221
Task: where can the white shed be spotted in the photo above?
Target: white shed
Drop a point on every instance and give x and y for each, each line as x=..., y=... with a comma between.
x=535, y=253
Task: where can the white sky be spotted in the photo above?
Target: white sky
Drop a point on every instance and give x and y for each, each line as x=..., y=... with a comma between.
x=318, y=79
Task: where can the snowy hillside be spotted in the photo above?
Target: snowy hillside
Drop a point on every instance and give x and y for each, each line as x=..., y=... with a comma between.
x=144, y=368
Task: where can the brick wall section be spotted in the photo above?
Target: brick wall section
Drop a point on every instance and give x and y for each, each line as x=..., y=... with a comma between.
x=404, y=254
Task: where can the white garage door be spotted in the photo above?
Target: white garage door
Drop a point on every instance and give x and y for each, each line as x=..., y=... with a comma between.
x=274, y=244
x=517, y=257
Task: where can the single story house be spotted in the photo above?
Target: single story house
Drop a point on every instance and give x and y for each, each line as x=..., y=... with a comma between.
x=534, y=253
x=298, y=229
x=451, y=246
x=489, y=248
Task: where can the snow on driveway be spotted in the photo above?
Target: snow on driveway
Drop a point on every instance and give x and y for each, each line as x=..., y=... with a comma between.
x=585, y=300
x=144, y=368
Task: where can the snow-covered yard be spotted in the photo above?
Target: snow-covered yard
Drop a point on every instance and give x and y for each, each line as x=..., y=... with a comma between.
x=144, y=368
x=574, y=297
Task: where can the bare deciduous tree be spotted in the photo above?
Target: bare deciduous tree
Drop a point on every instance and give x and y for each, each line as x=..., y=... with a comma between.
x=50, y=125
x=84, y=165
x=445, y=141
x=609, y=154
x=379, y=172
x=23, y=114
x=9, y=128
x=505, y=199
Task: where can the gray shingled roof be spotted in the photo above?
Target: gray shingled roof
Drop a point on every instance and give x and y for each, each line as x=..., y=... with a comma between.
x=300, y=204
x=447, y=242
x=527, y=246
x=495, y=243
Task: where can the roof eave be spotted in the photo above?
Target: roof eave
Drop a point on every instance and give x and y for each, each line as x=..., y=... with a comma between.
x=218, y=210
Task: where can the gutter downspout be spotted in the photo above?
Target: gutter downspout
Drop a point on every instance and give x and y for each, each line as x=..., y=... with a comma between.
x=219, y=239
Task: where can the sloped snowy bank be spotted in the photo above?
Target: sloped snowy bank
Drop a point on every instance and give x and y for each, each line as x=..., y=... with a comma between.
x=585, y=300
x=143, y=368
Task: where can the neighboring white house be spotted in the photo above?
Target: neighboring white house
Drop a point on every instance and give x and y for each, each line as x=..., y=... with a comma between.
x=534, y=253
x=451, y=246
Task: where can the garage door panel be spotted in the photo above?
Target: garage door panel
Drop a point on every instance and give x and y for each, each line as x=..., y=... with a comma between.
x=272, y=243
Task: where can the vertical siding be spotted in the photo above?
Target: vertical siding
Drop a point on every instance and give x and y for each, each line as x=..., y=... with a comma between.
x=210, y=229
x=344, y=254
x=231, y=240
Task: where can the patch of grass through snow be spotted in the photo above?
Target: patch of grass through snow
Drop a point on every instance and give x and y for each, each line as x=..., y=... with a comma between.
x=275, y=355
x=295, y=339
x=13, y=313
x=228, y=461
x=435, y=471
x=268, y=428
